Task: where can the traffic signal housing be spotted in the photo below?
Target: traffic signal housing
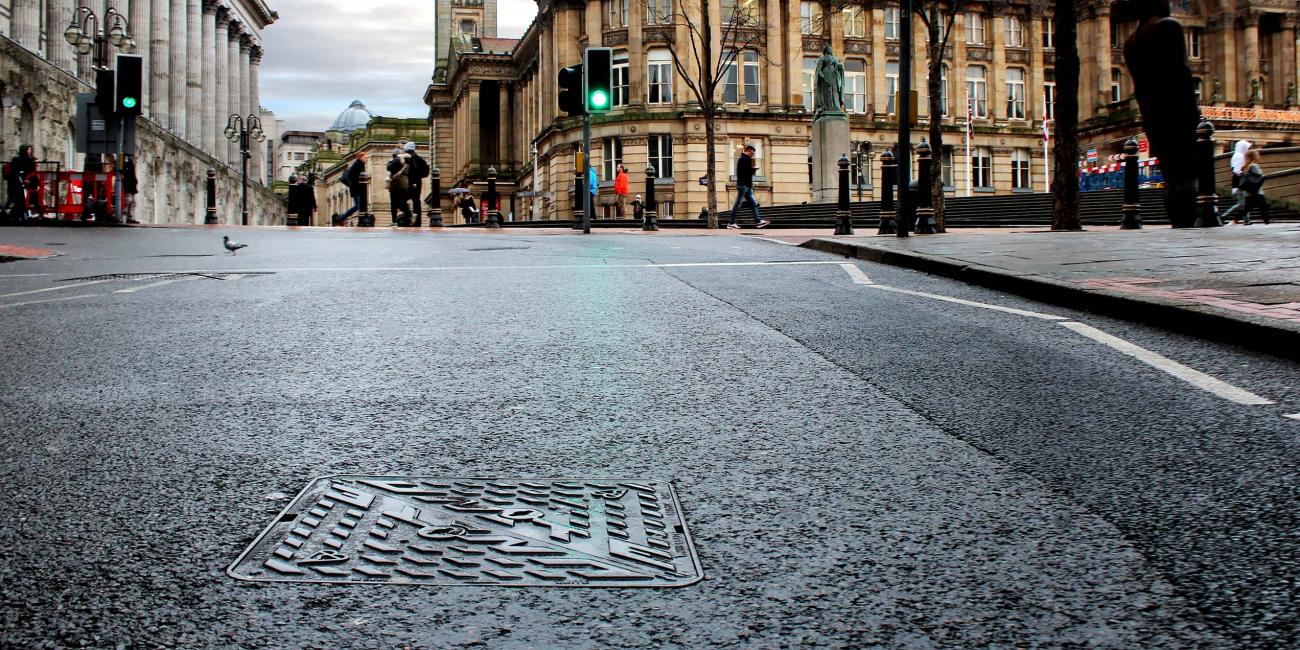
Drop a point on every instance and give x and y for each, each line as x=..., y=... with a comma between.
x=598, y=78
x=104, y=86
x=570, y=95
x=129, y=89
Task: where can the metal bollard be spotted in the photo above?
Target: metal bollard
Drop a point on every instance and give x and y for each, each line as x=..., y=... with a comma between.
x=365, y=219
x=843, y=218
x=924, y=201
x=888, y=176
x=1207, y=208
x=1132, y=208
x=211, y=217
x=493, y=212
x=651, y=207
x=435, y=191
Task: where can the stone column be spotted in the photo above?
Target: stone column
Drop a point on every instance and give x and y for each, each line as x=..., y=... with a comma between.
x=177, y=48
x=26, y=24
x=1285, y=72
x=1250, y=32
x=142, y=31
x=194, y=72
x=208, y=92
x=1102, y=73
x=160, y=62
x=58, y=14
x=232, y=86
x=255, y=107
x=505, y=122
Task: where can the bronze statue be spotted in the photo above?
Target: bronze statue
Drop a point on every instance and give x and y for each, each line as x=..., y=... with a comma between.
x=829, y=85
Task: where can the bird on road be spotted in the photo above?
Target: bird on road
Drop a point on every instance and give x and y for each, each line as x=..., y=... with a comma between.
x=231, y=246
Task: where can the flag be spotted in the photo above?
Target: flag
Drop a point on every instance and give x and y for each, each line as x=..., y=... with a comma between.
x=1046, y=135
x=970, y=118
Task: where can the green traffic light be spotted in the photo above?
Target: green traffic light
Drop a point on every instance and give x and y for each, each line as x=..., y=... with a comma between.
x=128, y=102
x=599, y=99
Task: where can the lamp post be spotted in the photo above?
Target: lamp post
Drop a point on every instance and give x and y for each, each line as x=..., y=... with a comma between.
x=244, y=131
x=861, y=150
x=85, y=34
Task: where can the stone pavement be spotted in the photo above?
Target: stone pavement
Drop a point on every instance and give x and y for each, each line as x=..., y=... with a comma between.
x=1236, y=283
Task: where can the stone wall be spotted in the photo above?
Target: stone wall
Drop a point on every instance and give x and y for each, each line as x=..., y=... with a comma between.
x=38, y=105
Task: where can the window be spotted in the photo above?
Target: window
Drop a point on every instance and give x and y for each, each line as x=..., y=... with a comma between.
x=809, y=73
x=1049, y=35
x=810, y=17
x=741, y=12
x=855, y=86
x=855, y=22
x=891, y=87
x=737, y=148
x=1198, y=88
x=1049, y=94
x=943, y=89
x=468, y=27
x=616, y=13
x=661, y=155
x=1115, y=93
x=1194, y=43
x=891, y=23
x=1015, y=31
x=300, y=156
x=974, y=29
x=621, y=86
x=751, y=70
x=731, y=80
x=611, y=156
x=658, y=12
x=982, y=168
x=1114, y=33
x=947, y=166
x=977, y=89
x=1015, y=93
x=660, y=77
x=1020, y=169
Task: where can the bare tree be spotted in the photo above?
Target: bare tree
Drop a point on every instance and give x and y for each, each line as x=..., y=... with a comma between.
x=702, y=68
x=1065, y=153
x=938, y=18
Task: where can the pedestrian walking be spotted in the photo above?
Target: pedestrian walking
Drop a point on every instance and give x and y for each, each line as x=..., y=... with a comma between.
x=419, y=170
x=19, y=180
x=302, y=201
x=745, y=189
x=130, y=187
x=638, y=209
x=621, y=189
x=399, y=187
x=593, y=185
x=1252, y=188
x=468, y=212
x=1238, y=169
x=352, y=180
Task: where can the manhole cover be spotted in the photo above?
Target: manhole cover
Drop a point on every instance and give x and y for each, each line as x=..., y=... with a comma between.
x=509, y=532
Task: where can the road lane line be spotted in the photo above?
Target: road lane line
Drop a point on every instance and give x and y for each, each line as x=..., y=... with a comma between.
x=58, y=288
x=777, y=241
x=151, y=285
x=1293, y=416
x=856, y=273
x=64, y=298
x=970, y=303
x=1194, y=377
x=375, y=269
x=24, y=275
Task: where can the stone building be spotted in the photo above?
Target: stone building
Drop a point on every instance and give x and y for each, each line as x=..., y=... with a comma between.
x=201, y=61
x=296, y=151
x=492, y=101
x=377, y=136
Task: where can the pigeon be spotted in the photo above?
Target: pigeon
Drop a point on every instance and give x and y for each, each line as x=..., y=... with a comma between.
x=231, y=246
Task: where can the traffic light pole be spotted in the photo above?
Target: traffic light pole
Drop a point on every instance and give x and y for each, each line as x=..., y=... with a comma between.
x=588, y=207
x=117, y=168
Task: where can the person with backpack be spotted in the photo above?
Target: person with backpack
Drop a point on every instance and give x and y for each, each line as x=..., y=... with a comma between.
x=419, y=170
x=352, y=180
x=1252, y=188
x=302, y=201
x=19, y=181
x=399, y=187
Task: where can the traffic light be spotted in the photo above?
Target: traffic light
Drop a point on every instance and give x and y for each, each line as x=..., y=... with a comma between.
x=104, y=84
x=130, y=84
x=570, y=96
x=598, y=77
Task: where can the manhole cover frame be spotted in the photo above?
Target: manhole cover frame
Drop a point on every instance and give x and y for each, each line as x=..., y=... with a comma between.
x=254, y=563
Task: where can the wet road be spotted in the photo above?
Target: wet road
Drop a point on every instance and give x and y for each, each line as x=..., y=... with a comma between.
x=864, y=456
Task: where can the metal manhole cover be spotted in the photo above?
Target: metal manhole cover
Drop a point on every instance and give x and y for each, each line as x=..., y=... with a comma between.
x=477, y=531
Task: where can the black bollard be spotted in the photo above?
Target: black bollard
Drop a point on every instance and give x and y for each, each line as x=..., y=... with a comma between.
x=651, y=207
x=843, y=218
x=365, y=219
x=1132, y=208
x=211, y=217
x=888, y=176
x=435, y=193
x=1207, y=208
x=493, y=219
x=923, y=201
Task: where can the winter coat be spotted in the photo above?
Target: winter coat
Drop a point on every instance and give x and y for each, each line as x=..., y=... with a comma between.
x=399, y=178
x=745, y=171
x=621, y=183
x=592, y=181
x=302, y=200
x=354, y=177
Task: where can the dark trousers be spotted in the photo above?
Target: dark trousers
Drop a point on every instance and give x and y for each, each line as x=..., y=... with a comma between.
x=414, y=198
x=400, y=198
x=742, y=194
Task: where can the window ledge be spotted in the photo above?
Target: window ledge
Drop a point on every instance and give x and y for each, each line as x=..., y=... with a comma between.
x=1022, y=190
x=984, y=190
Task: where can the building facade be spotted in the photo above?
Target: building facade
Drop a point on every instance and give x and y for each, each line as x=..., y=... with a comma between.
x=201, y=61
x=492, y=103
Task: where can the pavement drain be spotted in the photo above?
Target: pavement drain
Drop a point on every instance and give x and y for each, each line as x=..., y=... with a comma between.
x=476, y=531
x=167, y=276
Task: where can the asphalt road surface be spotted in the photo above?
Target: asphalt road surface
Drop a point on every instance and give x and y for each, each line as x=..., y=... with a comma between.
x=860, y=460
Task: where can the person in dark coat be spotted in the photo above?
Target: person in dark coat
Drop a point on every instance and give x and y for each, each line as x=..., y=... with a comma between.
x=352, y=179
x=417, y=168
x=467, y=209
x=130, y=187
x=399, y=187
x=1156, y=56
x=745, y=189
x=302, y=201
x=18, y=182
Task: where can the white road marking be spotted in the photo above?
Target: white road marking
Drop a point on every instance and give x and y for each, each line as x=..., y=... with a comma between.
x=778, y=241
x=58, y=288
x=856, y=273
x=377, y=269
x=24, y=275
x=37, y=302
x=1194, y=377
x=1293, y=416
x=970, y=303
x=149, y=286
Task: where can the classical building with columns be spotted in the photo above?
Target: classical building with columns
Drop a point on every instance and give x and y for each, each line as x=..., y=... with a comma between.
x=492, y=101
x=201, y=61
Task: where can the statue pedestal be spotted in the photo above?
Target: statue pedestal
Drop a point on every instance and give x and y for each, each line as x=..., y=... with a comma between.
x=830, y=140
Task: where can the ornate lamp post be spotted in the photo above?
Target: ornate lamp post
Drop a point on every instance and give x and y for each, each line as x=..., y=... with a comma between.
x=85, y=34
x=244, y=131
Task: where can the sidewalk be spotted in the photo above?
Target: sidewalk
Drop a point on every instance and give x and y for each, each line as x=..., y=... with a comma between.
x=1236, y=283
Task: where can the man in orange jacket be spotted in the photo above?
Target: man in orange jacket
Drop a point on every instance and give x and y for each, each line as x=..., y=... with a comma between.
x=621, y=189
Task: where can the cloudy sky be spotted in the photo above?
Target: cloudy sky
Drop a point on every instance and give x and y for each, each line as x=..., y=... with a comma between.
x=322, y=54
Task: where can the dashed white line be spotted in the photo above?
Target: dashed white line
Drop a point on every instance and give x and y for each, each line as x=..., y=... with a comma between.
x=1194, y=377
x=971, y=303
x=150, y=285
x=856, y=273
x=62, y=299
x=1293, y=416
x=58, y=288
x=24, y=275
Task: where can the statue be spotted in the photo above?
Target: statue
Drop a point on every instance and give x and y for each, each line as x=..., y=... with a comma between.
x=829, y=85
x=1255, y=95
x=1218, y=90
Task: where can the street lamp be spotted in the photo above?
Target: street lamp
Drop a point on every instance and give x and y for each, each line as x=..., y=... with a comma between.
x=85, y=34
x=861, y=150
x=244, y=131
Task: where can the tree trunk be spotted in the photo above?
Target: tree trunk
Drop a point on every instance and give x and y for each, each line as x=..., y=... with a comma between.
x=707, y=85
x=936, y=121
x=1065, y=154
x=710, y=127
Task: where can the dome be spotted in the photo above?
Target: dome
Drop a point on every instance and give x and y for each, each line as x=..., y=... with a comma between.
x=356, y=116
